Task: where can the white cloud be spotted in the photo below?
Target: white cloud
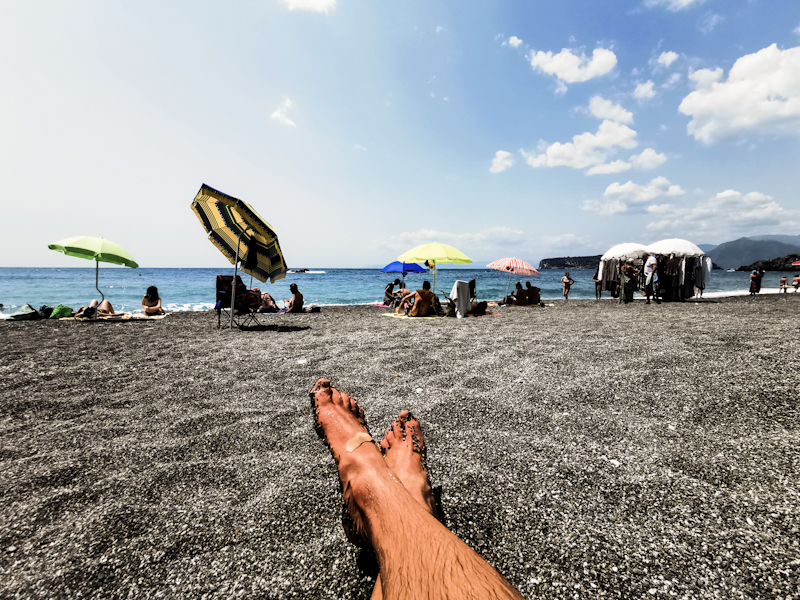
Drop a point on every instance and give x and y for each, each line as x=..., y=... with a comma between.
x=501, y=161
x=667, y=58
x=648, y=159
x=280, y=114
x=359, y=147
x=586, y=149
x=560, y=241
x=491, y=238
x=311, y=5
x=728, y=213
x=709, y=22
x=514, y=41
x=673, y=5
x=644, y=91
x=439, y=28
x=605, y=109
x=571, y=68
x=672, y=81
x=797, y=30
x=612, y=207
x=634, y=193
x=613, y=167
x=760, y=97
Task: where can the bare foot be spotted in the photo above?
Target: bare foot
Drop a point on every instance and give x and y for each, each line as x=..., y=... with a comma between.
x=404, y=449
x=340, y=422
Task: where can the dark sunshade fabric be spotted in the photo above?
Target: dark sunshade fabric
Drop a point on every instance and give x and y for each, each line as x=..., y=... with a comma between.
x=224, y=218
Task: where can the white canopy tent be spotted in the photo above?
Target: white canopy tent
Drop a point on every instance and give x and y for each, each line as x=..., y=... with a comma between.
x=691, y=271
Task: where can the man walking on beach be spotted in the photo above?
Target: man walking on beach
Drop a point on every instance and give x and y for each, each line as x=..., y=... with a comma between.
x=650, y=269
x=391, y=503
x=423, y=299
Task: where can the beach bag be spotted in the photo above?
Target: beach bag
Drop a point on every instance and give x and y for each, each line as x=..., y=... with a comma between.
x=45, y=311
x=61, y=311
x=25, y=313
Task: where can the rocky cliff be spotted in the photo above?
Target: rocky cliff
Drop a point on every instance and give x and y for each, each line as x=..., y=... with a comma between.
x=783, y=263
x=570, y=262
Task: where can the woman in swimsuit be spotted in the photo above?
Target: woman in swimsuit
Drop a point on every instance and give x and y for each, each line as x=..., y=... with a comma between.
x=151, y=303
x=567, y=281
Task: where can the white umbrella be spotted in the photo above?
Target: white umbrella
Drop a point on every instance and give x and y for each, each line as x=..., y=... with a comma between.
x=676, y=247
x=628, y=250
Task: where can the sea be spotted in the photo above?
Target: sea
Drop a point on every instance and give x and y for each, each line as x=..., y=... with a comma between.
x=193, y=289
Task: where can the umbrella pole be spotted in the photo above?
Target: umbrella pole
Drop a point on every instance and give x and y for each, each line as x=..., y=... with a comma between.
x=235, y=272
x=508, y=285
x=434, y=277
x=96, y=275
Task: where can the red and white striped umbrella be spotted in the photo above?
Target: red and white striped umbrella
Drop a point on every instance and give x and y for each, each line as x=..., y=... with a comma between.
x=513, y=266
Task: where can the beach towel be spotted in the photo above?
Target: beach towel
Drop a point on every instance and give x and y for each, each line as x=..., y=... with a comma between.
x=61, y=311
x=396, y=316
x=460, y=296
x=25, y=313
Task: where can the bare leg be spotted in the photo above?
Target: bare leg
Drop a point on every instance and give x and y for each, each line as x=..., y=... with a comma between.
x=404, y=451
x=418, y=556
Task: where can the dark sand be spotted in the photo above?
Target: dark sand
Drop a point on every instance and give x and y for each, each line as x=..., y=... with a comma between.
x=584, y=449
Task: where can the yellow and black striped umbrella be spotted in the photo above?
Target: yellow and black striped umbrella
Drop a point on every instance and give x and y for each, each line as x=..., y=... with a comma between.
x=230, y=221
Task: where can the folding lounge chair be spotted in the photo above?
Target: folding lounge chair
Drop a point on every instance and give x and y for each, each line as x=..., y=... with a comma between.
x=243, y=314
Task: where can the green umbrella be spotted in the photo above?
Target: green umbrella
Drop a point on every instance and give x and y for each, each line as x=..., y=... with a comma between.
x=97, y=249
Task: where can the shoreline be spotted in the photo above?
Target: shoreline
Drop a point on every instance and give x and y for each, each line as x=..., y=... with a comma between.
x=606, y=297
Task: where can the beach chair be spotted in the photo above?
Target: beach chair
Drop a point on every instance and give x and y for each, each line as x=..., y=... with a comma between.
x=244, y=313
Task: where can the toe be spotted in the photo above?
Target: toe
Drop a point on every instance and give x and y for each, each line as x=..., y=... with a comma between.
x=397, y=430
x=321, y=384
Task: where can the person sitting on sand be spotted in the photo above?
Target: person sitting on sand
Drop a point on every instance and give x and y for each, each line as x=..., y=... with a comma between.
x=389, y=498
x=783, y=285
x=104, y=309
x=419, y=303
x=515, y=298
x=295, y=303
x=388, y=292
x=532, y=293
x=268, y=304
x=796, y=282
x=567, y=282
x=151, y=303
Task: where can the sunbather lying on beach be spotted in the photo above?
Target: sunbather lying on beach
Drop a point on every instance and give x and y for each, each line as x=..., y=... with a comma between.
x=151, y=303
x=268, y=304
x=419, y=303
x=389, y=497
x=104, y=309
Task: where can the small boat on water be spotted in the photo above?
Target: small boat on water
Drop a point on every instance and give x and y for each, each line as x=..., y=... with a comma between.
x=731, y=271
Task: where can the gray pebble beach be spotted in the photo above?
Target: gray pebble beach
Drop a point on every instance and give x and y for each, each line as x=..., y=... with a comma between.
x=584, y=449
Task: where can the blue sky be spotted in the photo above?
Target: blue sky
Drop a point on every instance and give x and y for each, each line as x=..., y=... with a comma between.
x=361, y=129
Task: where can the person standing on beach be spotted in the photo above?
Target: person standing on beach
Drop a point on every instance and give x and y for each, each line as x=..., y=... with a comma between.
x=567, y=281
x=796, y=283
x=755, y=282
x=598, y=285
x=784, y=284
x=390, y=501
x=628, y=282
x=650, y=270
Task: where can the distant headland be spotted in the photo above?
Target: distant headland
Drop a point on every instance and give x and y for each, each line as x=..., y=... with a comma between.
x=570, y=262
